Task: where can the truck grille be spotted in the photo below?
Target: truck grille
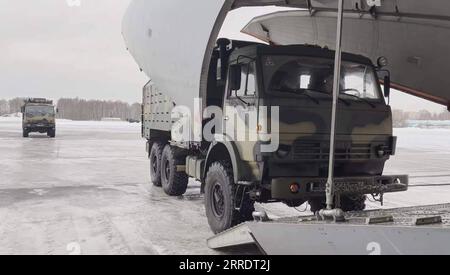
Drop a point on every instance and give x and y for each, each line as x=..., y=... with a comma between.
x=317, y=151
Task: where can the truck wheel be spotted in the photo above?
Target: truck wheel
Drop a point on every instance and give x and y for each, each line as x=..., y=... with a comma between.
x=155, y=163
x=348, y=203
x=51, y=133
x=220, y=199
x=317, y=204
x=173, y=182
x=25, y=133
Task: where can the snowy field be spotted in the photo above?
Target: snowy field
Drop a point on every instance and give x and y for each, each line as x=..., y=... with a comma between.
x=88, y=191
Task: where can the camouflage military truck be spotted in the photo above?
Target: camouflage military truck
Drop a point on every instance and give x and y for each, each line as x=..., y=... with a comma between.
x=298, y=79
x=38, y=115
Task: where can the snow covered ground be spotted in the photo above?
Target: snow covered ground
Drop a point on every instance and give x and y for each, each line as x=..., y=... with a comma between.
x=88, y=191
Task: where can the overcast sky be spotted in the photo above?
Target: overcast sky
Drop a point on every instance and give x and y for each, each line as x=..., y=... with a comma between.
x=53, y=48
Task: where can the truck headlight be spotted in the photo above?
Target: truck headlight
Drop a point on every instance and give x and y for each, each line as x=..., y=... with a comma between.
x=381, y=151
x=294, y=187
x=283, y=151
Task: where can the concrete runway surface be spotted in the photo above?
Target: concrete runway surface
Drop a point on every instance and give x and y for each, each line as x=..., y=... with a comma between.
x=88, y=191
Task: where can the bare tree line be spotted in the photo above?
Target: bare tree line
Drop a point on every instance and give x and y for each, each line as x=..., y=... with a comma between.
x=10, y=106
x=81, y=109
x=401, y=117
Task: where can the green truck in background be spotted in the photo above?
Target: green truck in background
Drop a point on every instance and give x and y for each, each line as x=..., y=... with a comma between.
x=38, y=115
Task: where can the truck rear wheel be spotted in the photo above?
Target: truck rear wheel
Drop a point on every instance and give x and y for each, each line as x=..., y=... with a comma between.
x=25, y=133
x=220, y=196
x=173, y=182
x=51, y=133
x=348, y=203
x=155, y=163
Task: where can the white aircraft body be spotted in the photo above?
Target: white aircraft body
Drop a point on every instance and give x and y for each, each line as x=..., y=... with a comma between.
x=171, y=40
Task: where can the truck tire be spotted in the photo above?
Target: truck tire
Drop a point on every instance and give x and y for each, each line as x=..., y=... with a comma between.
x=220, y=199
x=51, y=133
x=174, y=183
x=25, y=134
x=317, y=204
x=348, y=203
x=155, y=163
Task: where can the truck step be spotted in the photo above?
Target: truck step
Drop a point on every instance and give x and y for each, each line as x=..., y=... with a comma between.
x=380, y=219
x=428, y=220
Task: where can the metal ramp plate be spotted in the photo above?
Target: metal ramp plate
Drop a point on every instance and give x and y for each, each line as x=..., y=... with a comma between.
x=237, y=236
x=413, y=230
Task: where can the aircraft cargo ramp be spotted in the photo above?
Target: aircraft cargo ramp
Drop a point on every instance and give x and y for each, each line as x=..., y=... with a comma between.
x=411, y=230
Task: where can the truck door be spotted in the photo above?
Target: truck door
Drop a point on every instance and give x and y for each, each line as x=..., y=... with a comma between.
x=240, y=108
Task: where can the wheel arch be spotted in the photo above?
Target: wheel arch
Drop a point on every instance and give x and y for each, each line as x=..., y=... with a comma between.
x=157, y=136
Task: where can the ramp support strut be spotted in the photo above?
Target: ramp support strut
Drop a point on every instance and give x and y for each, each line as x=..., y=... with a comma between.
x=330, y=211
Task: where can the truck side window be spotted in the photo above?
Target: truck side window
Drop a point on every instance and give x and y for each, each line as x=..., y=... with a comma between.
x=248, y=81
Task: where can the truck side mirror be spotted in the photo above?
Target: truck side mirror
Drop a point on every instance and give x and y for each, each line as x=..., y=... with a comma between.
x=387, y=86
x=235, y=77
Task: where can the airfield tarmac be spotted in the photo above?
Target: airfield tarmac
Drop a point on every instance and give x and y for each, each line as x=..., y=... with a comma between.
x=88, y=191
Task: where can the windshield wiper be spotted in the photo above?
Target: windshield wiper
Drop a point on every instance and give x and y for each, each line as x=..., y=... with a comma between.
x=303, y=92
x=299, y=92
x=326, y=93
x=360, y=99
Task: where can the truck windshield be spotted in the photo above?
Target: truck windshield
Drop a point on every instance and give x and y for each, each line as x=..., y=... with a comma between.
x=313, y=76
x=40, y=111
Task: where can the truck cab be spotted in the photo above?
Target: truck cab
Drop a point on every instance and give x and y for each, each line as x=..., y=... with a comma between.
x=38, y=115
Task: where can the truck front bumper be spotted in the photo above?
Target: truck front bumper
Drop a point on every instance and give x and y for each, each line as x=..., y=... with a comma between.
x=41, y=128
x=301, y=188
